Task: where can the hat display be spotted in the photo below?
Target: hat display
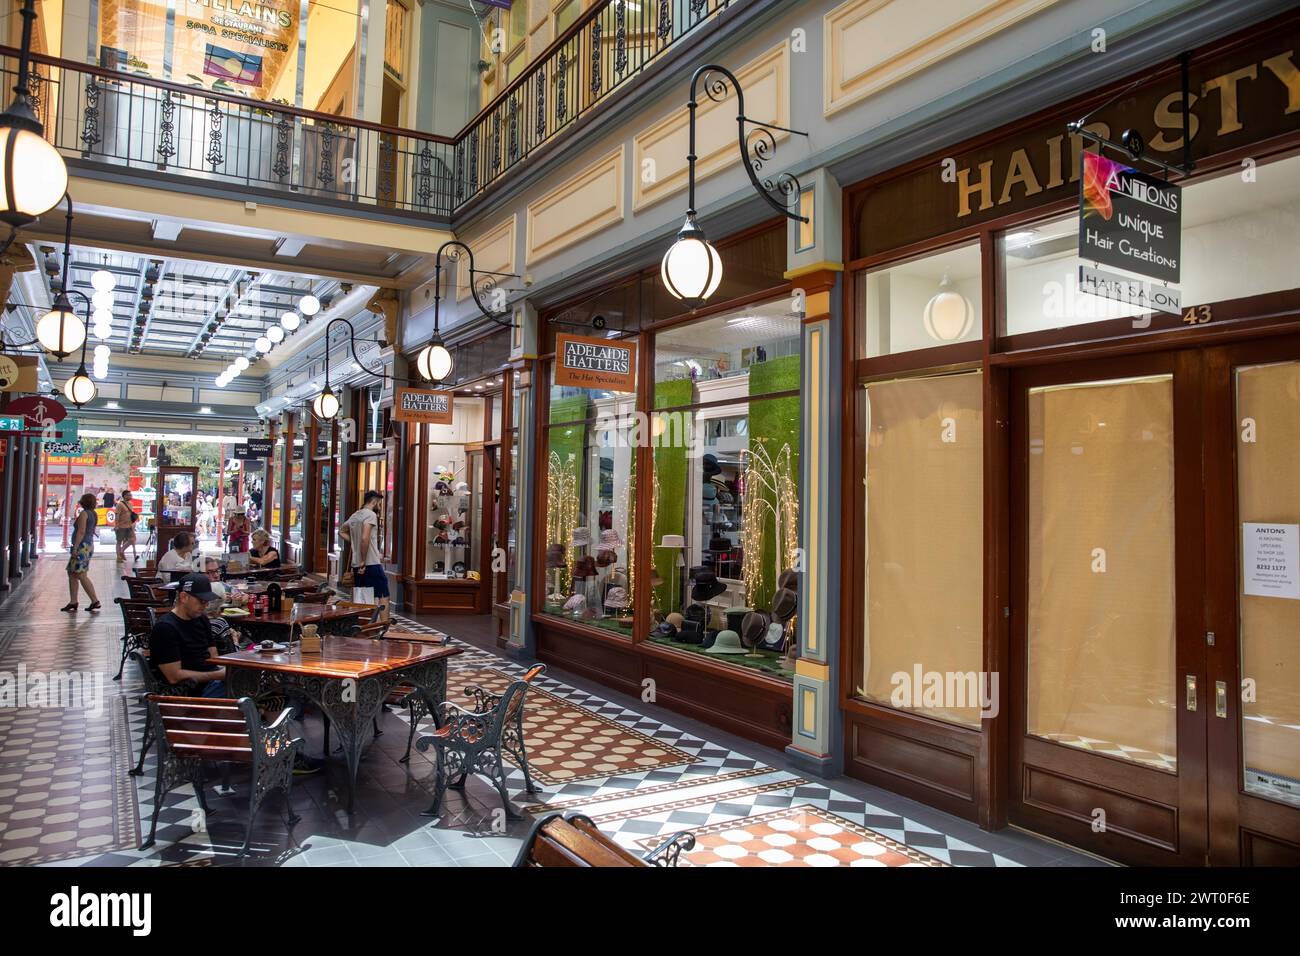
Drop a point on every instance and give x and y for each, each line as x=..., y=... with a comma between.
x=581, y=537
x=754, y=628
x=711, y=468
x=609, y=538
x=697, y=612
x=774, y=639
x=788, y=579
x=439, y=567
x=462, y=488
x=606, y=520
x=676, y=620
x=783, y=604
x=673, y=541
x=719, y=543
x=655, y=579
x=442, y=488
x=555, y=555
x=585, y=567
x=727, y=642
x=707, y=586
x=605, y=557
x=710, y=493
x=616, y=597
x=576, y=602
x=664, y=630
x=458, y=569
x=691, y=632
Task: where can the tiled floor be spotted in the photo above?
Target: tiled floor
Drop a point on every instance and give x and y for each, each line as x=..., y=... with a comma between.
x=66, y=798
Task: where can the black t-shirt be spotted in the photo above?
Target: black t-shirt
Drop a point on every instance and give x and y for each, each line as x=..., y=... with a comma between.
x=173, y=640
x=273, y=563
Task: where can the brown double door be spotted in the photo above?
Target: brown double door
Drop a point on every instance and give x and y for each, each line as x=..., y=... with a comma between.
x=1155, y=604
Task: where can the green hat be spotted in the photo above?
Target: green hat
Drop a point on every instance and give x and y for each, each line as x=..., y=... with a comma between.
x=727, y=642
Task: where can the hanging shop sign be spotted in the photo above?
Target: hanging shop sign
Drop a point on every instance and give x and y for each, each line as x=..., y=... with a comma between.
x=582, y=362
x=424, y=406
x=1243, y=94
x=38, y=411
x=18, y=373
x=63, y=449
x=77, y=461
x=1129, y=220
x=1130, y=290
x=255, y=448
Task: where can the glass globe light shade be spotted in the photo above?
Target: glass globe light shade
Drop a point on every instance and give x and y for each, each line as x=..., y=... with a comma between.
x=80, y=389
x=691, y=269
x=309, y=304
x=263, y=344
x=103, y=332
x=35, y=176
x=103, y=280
x=102, y=352
x=275, y=333
x=100, y=371
x=326, y=405
x=102, y=300
x=101, y=315
x=222, y=381
x=434, y=361
x=949, y=315
x=290, y=321
x=241, y=363
x=60, y=330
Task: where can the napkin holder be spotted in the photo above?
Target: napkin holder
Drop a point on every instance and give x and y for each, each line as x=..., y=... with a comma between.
x=310, y=641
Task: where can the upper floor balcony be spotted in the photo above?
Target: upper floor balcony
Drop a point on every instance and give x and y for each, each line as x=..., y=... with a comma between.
x=118, y=123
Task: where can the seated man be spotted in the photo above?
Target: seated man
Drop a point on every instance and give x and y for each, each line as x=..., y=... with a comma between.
x=182, y=640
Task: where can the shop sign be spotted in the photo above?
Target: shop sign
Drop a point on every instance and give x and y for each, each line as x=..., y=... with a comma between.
x=18, y=373
x=1133, y=291
x=582, y=362
x=426, y=406
x=38, y=410
x=255, y=448
x=1242, y=95
x=63, y=449
x=1270, y=556
x=77, y=461
x=1129, y=220
x=61, y=477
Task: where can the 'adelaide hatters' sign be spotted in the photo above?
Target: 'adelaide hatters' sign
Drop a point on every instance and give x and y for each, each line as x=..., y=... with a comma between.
x=583, y=362
x=1242, y=92
x=422, y=405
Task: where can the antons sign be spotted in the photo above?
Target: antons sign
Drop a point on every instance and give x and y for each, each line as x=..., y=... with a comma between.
x=582, y=362
x=1129, y=220
x=426, y=406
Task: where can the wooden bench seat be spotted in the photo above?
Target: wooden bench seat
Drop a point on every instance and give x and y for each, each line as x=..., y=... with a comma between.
x=574, y=840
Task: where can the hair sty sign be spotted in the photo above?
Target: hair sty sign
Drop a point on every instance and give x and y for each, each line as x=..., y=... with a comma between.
x=427, y=406
x=583, y=362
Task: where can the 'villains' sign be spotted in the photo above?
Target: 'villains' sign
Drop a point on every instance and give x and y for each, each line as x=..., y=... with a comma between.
x=1129, y=220
x=582, y=362
x=422, y=405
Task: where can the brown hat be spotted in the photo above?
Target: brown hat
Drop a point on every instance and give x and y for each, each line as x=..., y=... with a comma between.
x=754, y=627
x=789, y=579
x=585, y=567
x=555, y=555
x=606, y=557
x=783, y=604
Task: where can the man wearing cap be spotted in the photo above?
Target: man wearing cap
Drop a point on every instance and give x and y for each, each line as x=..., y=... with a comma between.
x=182, y=641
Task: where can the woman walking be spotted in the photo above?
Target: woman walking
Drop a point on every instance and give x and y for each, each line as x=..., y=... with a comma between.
x=83, y=546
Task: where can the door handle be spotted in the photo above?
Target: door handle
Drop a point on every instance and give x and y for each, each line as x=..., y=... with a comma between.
x=1191, y=691
x=1221, y=699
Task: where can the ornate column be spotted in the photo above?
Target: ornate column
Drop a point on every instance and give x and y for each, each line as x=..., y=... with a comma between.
x=814, y=253
x=521, y=642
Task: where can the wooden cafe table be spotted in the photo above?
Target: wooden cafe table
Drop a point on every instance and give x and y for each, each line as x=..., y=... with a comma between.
x=276, y=626
x=349, y=680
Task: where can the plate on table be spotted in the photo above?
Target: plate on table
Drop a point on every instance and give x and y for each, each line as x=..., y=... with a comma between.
x=271, y=648
x=234, y=612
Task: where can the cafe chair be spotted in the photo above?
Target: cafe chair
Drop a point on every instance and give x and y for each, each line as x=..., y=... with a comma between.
x=574, y=840
x=137, y=626
x=138, y=587
x=153, y=684
x=472, y=741
x=194, y=731
x=162, y=595
x=313, y=597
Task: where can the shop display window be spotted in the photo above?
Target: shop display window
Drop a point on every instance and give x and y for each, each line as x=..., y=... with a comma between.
x=452, y=516
x=726, y=486
x=922, y=593
x=275, y=490
x=923, y=303
x=1236, y=242
x=590, y=518
x=296, y=510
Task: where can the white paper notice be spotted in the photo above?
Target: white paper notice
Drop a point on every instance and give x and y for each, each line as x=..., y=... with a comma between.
x=1271, y=559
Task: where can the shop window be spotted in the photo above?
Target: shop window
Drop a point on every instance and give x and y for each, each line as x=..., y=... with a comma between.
x=295, y=500
x=453, y=511
x=1237, y=241
x=726, y=482
x=566, y=15
x=590, y=517
x=922, y=592
x=396, y=18
x=923, y=303
x=275, y=489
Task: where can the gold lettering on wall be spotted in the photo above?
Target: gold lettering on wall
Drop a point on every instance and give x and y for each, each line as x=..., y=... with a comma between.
x=1282, y=67
x=1229, y=121
x=1019, y=172
x=984, y=187
x=1167, y=116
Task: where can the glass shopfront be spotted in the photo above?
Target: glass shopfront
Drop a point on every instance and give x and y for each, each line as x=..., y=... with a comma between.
x=1071, y=514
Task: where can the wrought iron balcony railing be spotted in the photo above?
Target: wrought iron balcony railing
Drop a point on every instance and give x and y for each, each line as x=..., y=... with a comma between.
x=608, y=46
x=140, y=125
x=107, y=118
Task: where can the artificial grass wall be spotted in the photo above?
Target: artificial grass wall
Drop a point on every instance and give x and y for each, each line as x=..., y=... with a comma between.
x=671, y=472
x=565, y=441
x=773, y=424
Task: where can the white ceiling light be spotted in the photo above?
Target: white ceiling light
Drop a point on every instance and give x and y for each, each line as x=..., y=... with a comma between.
x=263, y=344
x=691, y=269
x=241, y=363
x=949, y=315
x=103, y=331
x=61, y=330
x=275, y=334
x=103, y=280
x=222, y=381
x=100, y=372
x=80, y=389
x=102, y=352
x=102, y=315
x=291, y=321
x=309, y=304
x=102, y=300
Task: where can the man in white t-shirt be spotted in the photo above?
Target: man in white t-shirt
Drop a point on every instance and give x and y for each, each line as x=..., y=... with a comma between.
x=361, y=532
